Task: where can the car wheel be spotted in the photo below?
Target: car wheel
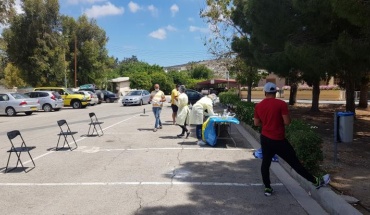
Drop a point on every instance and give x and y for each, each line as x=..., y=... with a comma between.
x=76, y=104
x=28, y=113
x=47, y=108
x=10, y=111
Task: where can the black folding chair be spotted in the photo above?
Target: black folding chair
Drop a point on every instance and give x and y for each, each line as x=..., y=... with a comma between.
x=94, y=122
x=18, y=150
x=65, y=131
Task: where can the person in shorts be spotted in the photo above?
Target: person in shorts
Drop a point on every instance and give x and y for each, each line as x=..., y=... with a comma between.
x=174, y=96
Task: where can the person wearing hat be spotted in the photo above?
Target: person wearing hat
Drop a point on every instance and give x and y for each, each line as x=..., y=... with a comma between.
x=272, y=115
x=197, y=115
x=174, y=95
x=182, y=117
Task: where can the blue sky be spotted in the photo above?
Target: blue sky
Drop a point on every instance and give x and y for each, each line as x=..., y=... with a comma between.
x=163, y=32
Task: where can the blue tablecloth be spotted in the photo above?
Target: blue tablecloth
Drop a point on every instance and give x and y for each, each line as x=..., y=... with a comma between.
x=209, y=130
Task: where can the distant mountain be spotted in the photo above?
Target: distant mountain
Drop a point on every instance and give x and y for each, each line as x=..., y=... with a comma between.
x=217, y=66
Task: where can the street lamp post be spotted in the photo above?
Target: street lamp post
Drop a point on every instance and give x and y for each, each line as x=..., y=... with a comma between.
x=75, y=61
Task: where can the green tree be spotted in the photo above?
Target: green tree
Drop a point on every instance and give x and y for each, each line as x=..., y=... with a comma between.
x=200, y=71
x=6, y=11
x=92, y=56
x=33, y=40
x=179, y=77
x=132, y=65
x=140, y=80
x=3, y=58
x=246, y=75
x=352, y=47
x=12, y=77
x=165, y=82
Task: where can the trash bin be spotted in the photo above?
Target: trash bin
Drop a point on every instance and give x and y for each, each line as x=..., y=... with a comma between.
x=345, y=126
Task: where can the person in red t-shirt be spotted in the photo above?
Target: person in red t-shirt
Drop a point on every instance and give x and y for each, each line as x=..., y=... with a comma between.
x=272, y=114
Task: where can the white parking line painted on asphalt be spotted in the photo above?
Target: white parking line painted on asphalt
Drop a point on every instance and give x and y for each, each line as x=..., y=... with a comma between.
x=136, y=184
x=97, y=149
x=82, y=138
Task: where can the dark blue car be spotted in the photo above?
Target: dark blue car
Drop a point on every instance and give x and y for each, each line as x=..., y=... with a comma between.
x=193, y=96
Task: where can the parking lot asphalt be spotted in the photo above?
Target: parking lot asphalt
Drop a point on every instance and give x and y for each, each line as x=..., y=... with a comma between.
x=133, y=170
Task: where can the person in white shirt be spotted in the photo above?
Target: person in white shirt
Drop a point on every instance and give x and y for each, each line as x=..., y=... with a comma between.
x=182, y=117
x=157, y=98
x=197, y=115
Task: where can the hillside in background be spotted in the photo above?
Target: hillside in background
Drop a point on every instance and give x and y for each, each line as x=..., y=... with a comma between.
x=217, y=66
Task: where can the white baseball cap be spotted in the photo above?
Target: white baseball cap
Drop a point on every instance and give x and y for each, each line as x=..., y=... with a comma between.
x=269, y=87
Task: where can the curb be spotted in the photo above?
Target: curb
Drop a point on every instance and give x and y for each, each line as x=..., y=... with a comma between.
x=328, y=199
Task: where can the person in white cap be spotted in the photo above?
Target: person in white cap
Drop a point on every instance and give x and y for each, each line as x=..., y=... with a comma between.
x=272, y=114
x=197, y=115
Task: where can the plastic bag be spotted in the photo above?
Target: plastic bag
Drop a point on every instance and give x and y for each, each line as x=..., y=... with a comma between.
x=258, y=154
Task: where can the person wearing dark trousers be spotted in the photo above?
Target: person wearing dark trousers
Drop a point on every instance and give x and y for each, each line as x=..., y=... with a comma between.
x=182, y=117
x=272, y=115
x=205, y=104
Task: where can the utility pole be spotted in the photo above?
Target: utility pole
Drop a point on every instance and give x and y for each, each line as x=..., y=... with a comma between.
x=75, y=61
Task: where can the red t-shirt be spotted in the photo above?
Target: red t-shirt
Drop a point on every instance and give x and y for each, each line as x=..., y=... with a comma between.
x=270, y=111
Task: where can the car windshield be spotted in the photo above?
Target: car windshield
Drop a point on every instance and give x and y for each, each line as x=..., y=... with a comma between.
x=69, y=91
x=134, y=93
x=19, y=96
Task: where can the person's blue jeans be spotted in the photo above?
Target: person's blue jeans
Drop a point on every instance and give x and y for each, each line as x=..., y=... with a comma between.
x=157, y=115
x=198, y=131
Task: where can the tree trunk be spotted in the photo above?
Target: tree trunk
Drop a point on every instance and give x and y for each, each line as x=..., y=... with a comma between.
x=350, y=93
x=293, y=94
x=364, y=88
x=249, y=96
x=315, y=96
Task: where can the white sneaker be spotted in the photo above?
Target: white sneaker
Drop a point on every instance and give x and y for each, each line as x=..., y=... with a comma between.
x=201, y=143
x=323, y=181
x=326, y=179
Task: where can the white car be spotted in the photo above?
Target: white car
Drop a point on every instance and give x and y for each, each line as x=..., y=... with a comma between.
x=13, y=103
x=92, y=96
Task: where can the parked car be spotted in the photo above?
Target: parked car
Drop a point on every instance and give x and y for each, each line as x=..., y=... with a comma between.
x=13, y=103
x=92, y=96
x=49, y=100
x=193, y=96
x=68, y=96
x=106, y=96
x=136, y=97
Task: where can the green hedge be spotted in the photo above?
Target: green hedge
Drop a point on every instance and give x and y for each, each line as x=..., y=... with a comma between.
x=302, y=136
x=245, y=113
x=229, y=98
x=307, y=144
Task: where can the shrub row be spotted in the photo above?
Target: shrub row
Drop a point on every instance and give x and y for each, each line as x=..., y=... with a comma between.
x=229, y=98
x=302, y=136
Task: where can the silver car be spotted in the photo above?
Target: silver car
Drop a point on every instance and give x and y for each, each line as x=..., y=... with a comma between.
x=136, y=97
x=93, y=97
x=13, y=103
x=49, y=100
